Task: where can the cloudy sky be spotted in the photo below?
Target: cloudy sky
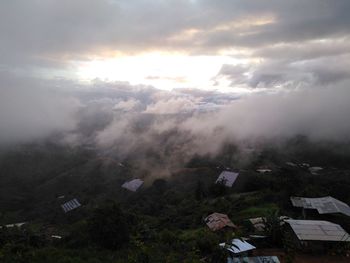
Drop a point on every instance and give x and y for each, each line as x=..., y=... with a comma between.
x=268, y=66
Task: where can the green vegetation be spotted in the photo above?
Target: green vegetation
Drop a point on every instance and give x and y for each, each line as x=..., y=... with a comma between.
x=163, y=221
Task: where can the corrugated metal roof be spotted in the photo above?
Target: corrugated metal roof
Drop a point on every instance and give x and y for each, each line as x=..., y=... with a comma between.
x=228, y=178
x=264, y=170
x=324, y=205
x=133, y=185
x=259, y=222
x=70, y=205
x=14, y=225
x=238, y=246
x=318, y=230
x=217, y=221
x=261, y=259
x=315, y=169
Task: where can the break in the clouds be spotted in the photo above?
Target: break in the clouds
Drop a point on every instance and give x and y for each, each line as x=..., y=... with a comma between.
x=127, y=73
x=177, y=43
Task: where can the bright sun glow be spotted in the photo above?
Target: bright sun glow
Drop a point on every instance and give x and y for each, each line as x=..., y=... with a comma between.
x=161, y=70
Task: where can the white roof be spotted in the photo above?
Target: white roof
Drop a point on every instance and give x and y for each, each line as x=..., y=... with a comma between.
x=315, y=169
x=260, y=259
x=70, y=205
x=133, y=185
x=238, y=246
x=227, y=177
x=264, y=170
x=318, y=230
x=291, y=164
x=324, y=205
x=14, y=225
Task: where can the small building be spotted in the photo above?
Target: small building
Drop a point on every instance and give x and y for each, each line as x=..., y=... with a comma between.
x=133, y=185
x=19, y=225
x=238, y=247
x=217, y=221
x=70, y=205
x=259, y=222
x=291, y=164
x=263, y=170
x=227, y=178
x=315, y=170
x=315, y=234
x=323, y=205
x=260, y=259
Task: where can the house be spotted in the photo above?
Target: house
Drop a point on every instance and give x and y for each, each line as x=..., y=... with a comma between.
x=259, y=222
x=227, y=178
x=315, y=169
x=133, y=185
x=238, y=247
x=14, y=225
x=70, y=205
x=315, y=234
x=261, y=259
x=263, y=170
x=217, y=221
x=291, y=164
x=323, y=205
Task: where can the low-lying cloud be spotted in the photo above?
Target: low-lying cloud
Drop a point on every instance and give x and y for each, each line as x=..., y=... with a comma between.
x=157, y=128
x=110, y=113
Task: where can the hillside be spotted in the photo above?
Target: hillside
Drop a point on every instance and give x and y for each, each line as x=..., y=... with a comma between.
x=164, y=218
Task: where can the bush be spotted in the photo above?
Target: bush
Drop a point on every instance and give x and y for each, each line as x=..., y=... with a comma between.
x=108, y=227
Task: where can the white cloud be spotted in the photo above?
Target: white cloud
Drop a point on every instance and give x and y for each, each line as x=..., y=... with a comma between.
x=126, y=105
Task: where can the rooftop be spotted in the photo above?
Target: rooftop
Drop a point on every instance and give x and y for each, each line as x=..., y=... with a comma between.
x=238, y=246
x=228, y=178
x=217, y=221
x=261, y=259
x=133, y=185
x=70, y=205
x=318, y=230
x=324, y=205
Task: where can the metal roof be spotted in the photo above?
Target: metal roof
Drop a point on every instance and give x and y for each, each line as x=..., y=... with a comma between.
x=315, y=169
x=217, y=221
x=261, y=259
x=318, y=230
x=324, y=205
x=14, y=225
x=263, y=170
x=228, y=178
x=133, y=185
x=238, y=246
x=259, y=222
x=70, y=205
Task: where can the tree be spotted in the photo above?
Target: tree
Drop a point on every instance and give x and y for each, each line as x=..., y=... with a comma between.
x=218, y=189
x=108, y=227
x=273, y=227
x=199, y=192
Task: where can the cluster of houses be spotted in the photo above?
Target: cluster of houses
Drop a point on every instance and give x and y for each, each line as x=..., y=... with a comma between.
x=238, y=248
x=313, y=234
x=306, y=234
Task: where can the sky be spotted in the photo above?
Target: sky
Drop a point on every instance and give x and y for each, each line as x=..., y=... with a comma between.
x=229, y=68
